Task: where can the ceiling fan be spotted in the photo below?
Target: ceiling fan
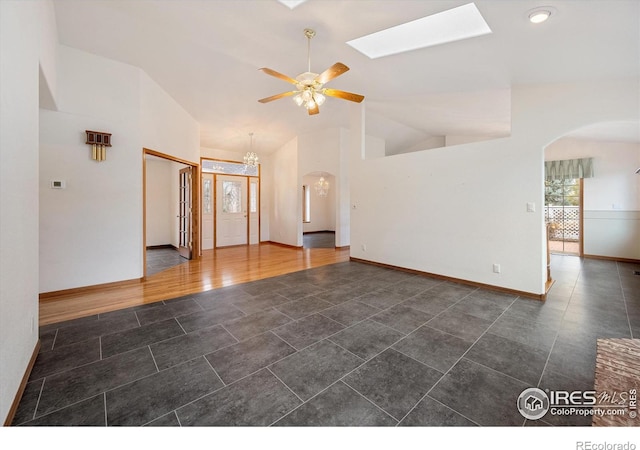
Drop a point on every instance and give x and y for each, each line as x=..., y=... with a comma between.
x=309, y=86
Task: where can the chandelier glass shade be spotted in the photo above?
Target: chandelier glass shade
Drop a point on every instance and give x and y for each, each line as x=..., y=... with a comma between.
x=309, y=97
x=322, y=187
x=251, y=158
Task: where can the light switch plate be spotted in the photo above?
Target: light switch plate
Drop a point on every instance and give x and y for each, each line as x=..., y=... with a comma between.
x=531, y=207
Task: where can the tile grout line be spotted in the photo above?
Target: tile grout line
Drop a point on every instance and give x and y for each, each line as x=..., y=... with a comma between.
x=135, y=313
x=106, y=414
x=459, y=359
x=285, y=384
x=624, y=298
x=35, y=410
x=214, y=370
x=453, y=410
x=366, y=399
x=555, y=339
x=153, y=358
x=55, y=338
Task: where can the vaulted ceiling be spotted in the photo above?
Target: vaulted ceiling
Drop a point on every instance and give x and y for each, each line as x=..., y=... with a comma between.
x=206, y=55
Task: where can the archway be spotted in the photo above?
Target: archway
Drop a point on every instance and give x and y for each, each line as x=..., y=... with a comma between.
x=318, y=210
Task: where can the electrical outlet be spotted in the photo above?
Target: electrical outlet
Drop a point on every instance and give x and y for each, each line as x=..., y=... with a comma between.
x=496, y=268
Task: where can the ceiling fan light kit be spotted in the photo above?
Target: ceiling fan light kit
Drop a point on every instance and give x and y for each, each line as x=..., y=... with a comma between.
x=310, y=91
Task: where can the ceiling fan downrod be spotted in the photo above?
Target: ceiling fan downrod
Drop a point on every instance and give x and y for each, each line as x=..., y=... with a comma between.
x=309, y=33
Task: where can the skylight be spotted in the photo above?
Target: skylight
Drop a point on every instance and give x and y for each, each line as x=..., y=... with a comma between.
x=452, y=25
x=291, y=3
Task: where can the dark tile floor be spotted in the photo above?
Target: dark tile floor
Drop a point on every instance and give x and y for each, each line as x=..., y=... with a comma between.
x=159, y=259
x=349, y=344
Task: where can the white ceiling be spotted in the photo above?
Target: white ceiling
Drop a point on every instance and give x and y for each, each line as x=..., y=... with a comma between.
x=206, y=55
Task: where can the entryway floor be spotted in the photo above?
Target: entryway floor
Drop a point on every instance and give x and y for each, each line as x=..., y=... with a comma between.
x=322, y=239
x=159, y=259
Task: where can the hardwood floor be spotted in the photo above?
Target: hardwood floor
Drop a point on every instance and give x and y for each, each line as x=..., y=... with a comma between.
x=215, y=269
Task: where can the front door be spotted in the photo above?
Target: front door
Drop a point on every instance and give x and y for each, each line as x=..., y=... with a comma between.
x=231, y=211
x=185, y=239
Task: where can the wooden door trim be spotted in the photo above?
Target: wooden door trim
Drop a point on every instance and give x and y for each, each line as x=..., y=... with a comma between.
x=195, y=202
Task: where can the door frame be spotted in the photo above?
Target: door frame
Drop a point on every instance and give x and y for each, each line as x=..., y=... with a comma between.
x=195, y=203
x=215, y=199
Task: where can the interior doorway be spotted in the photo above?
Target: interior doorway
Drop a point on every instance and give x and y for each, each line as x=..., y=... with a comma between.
x=563, y=215
x=170, y=211
x=318, y=210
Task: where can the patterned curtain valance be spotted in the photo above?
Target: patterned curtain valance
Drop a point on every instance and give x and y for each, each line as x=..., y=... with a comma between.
x=568, y=168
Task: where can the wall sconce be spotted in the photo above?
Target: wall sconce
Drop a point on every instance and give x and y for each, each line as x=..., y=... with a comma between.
x=99, y=142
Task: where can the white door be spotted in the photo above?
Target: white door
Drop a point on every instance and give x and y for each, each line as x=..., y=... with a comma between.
x=231, y=210
x=207, y=211
x=254, y=210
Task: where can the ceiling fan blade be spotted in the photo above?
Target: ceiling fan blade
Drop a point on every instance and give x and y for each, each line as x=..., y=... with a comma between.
x=276, y=97
x=332, y=72
x=314, y=110
x=273, y=73
x=343, y=95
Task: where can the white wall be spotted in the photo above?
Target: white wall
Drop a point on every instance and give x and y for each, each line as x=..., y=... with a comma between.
x=159, y=196
x=456, y=211
x=611, y=197
x=48, y=76
x=286, y=207
x=20, y=56
x=164, y=125
x=91, y=232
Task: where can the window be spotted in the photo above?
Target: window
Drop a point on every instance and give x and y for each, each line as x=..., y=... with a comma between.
x=253, y=197
x=231, y=197
x=306, y=204
x=206, y=194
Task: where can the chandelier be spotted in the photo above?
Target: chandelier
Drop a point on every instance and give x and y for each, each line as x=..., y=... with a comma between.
x=322, y=187
x=251, y=158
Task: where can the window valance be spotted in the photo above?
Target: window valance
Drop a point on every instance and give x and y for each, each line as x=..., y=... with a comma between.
x=568, y=168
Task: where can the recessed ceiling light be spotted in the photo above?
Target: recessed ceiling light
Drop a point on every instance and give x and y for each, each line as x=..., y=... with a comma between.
x=541, y=14
x=291, y=3
x=452, y=25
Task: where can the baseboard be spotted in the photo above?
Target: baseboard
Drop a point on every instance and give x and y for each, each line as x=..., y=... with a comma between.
x=613, y=258
x=547, y=287
x=491, y=287
x=54, y=295
x=344, y=247
x=23, y=386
